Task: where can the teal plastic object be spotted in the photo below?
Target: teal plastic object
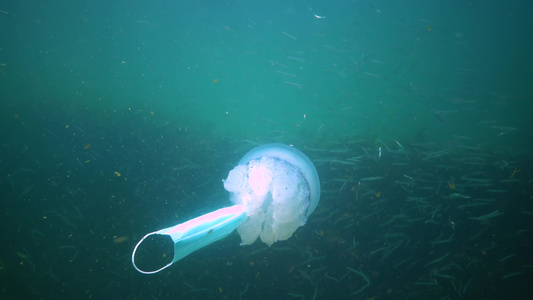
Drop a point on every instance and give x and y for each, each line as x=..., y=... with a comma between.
x=198, y=233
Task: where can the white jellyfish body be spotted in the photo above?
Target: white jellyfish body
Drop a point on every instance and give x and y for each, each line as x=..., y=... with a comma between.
x=275, y=194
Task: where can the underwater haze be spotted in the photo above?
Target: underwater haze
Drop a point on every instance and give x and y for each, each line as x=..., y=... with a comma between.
x=119, y=118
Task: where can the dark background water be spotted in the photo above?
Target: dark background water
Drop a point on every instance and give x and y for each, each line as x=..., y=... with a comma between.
x=118, y=119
